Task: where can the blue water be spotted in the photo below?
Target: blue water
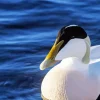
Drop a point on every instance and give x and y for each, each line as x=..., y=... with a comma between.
x=28, y=29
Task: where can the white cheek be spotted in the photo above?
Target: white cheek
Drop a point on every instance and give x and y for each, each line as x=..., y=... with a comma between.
x=74, y=48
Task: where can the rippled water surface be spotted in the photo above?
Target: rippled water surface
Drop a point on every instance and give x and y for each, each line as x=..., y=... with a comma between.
x=28, y=29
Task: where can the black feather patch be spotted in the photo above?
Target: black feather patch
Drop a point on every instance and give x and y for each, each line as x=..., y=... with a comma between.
x=70, y=32
x=98, y=97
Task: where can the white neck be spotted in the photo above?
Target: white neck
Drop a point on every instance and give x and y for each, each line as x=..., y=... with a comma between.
x=74, y=63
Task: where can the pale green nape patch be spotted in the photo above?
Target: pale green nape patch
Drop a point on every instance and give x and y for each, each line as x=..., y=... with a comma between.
x=86, y=58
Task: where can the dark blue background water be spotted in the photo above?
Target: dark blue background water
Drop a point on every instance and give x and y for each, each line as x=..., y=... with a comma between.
x=27, y=31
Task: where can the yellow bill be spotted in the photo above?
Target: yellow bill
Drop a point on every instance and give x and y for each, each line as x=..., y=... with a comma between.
x=50, y=58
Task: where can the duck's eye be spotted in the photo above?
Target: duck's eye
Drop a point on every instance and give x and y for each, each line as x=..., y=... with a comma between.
x=73, y=37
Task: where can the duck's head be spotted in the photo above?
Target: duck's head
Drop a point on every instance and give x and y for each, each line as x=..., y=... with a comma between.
x=72, y=41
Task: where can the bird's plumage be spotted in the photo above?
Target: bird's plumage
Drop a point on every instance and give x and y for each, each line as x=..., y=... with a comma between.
x=75, y=81
x=74, y=78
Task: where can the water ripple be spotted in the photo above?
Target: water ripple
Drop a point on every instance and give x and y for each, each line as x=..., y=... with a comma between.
x=27, y=31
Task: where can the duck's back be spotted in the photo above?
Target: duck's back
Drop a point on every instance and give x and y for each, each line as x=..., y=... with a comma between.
x=94, y=66
x=95, y=53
